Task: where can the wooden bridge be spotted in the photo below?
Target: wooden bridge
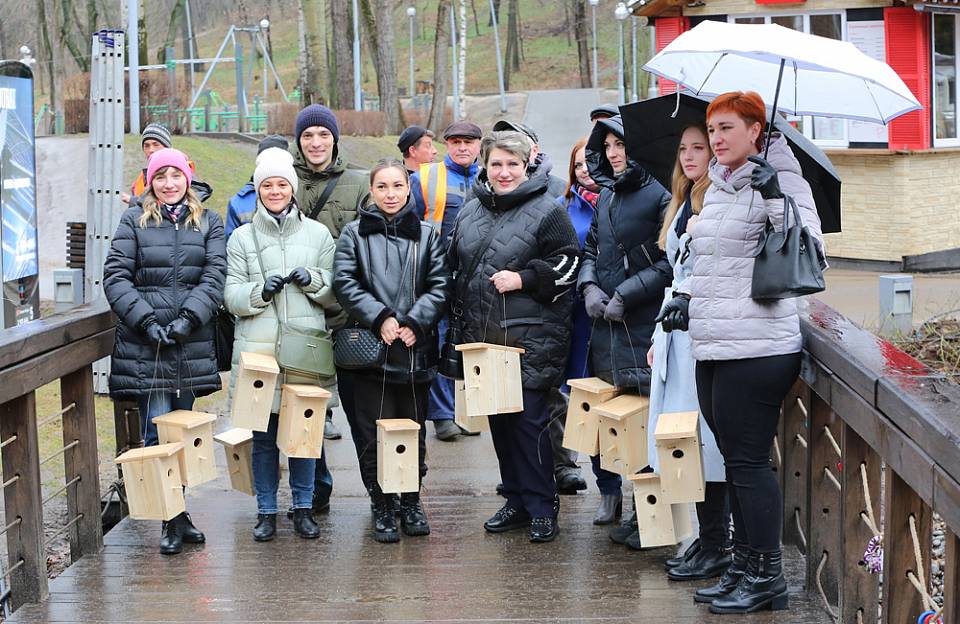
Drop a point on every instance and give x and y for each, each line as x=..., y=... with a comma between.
x=863, y=414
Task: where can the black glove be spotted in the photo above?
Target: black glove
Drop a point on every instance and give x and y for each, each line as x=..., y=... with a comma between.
x=272, y=287
x=595, y=301
x=178, y=329
x=299, y=276
x=615, y=309
x=675, y=314
x=157, y=334
x=764, y=179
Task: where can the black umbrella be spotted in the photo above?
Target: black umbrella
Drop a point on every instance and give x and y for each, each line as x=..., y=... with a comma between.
x=653, y=135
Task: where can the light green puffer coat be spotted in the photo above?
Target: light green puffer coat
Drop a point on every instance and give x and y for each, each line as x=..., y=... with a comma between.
x=293, y=242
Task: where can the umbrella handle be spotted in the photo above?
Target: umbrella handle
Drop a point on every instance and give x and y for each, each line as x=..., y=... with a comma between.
x=676, y=109
x=773, y=114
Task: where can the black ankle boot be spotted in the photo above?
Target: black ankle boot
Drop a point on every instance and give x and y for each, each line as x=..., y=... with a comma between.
x=171, y=541
x=619, y=534
x=762, y=587
x=266, y=527
x=384, y=518
x=689, y=552
x=303, y=524
x=729, y=579
x=708, y=562
x=412, y=519
x=189, y=533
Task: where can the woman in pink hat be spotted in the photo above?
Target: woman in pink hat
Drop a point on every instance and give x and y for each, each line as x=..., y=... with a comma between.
x=164, y=279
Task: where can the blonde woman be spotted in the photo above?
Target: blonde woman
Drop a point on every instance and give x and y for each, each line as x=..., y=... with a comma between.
x=164, y=279
x=673, y=387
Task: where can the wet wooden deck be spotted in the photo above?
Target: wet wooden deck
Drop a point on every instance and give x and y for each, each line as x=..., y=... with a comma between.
x=457, y=574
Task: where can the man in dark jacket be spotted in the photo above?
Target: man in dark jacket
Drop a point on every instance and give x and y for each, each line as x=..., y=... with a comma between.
x=416, y=147
x=624, y=272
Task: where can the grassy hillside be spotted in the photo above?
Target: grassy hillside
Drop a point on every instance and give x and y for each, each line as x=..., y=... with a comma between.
x=548, y=62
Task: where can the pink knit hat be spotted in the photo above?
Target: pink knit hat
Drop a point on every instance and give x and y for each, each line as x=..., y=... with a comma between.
x=168, y=157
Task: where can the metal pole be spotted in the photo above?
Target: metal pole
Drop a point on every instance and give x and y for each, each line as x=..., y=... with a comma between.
x=412, y=86
x=357, y=92
x=133, y=54
x=216, y=59
x=241, y=88
x=652, y=84
x=453, y=67
x=634, y=96
x=593, y=8
x=193, y=52
x=496, y=40
x=620, y=90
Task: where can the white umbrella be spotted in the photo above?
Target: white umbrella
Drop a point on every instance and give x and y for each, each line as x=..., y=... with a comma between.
x=822, y=77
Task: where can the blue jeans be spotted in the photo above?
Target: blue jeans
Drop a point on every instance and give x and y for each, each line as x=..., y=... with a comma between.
x=440, y=406
x=266, y=472
x=608, y=483
x=157, y=404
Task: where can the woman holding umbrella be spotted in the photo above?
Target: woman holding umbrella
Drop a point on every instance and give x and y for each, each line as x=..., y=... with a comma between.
x=747, y=351
x=673, y=388
x=624, y=272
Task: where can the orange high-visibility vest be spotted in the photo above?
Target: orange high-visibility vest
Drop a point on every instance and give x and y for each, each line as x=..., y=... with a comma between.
x=433, y=184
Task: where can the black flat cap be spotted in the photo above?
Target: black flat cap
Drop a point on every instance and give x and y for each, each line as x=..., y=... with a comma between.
x=409, y=137
x=465, y=129
x=604, y=110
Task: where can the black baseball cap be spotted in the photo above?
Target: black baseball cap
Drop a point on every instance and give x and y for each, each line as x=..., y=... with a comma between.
x=604, y=110
x=515, y=126
x=410, y=136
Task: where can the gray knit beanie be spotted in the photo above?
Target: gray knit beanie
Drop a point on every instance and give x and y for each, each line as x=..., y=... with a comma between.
x=157, y=132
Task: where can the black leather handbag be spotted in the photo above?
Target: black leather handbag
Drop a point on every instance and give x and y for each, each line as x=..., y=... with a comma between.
x=787, y=263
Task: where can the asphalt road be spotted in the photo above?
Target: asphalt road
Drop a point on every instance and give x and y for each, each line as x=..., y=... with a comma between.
x=560, y=118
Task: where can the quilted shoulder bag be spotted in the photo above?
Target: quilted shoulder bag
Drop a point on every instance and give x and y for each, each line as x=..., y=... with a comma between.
x=303, y=350
x=787, y=263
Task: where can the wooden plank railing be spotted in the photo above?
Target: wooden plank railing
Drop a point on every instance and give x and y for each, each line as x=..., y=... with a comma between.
x=869, y=436
x=61, y=347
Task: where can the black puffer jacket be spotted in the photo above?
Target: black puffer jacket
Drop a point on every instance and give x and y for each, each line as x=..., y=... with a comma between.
x=532, y=235
x=394, y=268
x=621, y=256
x=157, y=272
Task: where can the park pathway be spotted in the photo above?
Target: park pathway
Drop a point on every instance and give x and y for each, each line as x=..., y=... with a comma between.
x=457, y=574
x=560, y=117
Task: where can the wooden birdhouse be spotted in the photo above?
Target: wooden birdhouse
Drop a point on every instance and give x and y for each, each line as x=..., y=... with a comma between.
x=472, y=424
x=195, y=431
x=582, y=430
x=491, y=375
x=623, y=433
x=659, y=522
x=151, y=477
x=253, y=392
x=238, y=447
x=398, y=456
x=303, y=410
x=678, y=453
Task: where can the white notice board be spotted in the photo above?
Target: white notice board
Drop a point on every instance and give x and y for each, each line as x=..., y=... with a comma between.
x=869, y=38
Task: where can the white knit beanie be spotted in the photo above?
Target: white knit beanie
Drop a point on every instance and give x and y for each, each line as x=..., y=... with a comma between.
x=274, y=162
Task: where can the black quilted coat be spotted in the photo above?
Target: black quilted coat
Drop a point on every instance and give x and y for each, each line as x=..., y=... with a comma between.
x=158, y=271
x=533, y=236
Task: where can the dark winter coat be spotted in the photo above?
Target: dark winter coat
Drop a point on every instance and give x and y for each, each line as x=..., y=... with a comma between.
x=621, y=256
x=532, y=235
x=396, y=268
x=543, y=165
x=155, y=273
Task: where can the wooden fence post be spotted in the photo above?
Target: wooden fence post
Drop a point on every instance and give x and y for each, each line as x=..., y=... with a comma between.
x=80, y=424
x=860, y=588
x=796, y=467
x=901, y=602
x=22, y=500
x=825, y=515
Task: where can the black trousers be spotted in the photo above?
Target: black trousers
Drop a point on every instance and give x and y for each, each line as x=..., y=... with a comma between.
x=740, y=400
x=522, y=443
x=399, y=401
x=713, y=515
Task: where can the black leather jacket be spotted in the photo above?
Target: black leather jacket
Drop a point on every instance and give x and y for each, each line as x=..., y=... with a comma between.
x=396, y=268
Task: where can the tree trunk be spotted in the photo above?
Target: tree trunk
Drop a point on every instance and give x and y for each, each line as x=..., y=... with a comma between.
x=583, y=46
x=142, y=32
x=342, y=53
x=65, y=16
x=496, y=11
x=57, y=70
x=176, y=18
x=46, y=49
x=438, y=107
x=316, y=50
x=462, y=66
x=567, y=23
x=303, y=60
x=513, y=34
x=476, y=20
x=381, y=37
x=3, y=42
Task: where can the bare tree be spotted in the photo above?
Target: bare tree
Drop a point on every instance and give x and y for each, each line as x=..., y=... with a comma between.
x=440, y=54
x=511, y=60
x=583, y=48
x=342, y=65
x=303, y=60
x=462, y=65
x=56, y=69
x=476, y=20
x=142, y=30
x=177, y=17
x=3, y=42
x=313, y=89
x=381, y=38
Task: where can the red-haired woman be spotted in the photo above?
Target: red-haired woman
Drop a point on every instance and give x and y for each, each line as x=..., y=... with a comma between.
x=747, y=351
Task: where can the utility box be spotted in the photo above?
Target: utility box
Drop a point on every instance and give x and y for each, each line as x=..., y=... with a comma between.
x=253, y=391
x=678, y=451
x=472, y=424
x=582, y=430
x=238, y=447
x=623, y=433
x=658, y=522
x=195, y=431
x=896, y=305
x=303, y=410
x=151, y=477
x=67, y=289
x=491, y=375
x=398, y=455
